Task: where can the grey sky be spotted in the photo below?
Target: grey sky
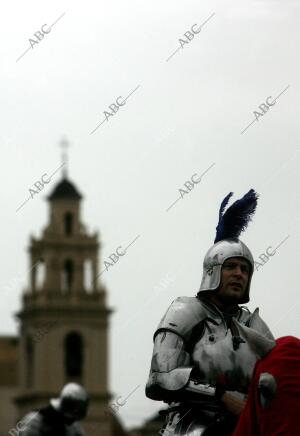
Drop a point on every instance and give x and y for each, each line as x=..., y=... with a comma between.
x=186, y=116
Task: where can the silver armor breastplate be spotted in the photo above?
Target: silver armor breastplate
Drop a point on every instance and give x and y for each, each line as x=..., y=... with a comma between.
x=222, y=360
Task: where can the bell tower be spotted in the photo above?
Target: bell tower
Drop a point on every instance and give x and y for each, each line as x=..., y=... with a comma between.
x=64, y=317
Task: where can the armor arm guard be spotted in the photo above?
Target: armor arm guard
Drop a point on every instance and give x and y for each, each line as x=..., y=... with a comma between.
x=30, y=425
x=172, y=375
x=170, y=366
x=256, y=323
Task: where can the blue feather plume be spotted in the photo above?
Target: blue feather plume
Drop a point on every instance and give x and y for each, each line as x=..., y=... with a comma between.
x=236, y=218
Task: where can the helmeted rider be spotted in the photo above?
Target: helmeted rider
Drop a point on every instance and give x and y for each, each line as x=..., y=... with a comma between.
x=60, y=417
x=203, y=355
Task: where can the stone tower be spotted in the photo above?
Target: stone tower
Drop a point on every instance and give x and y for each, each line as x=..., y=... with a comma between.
x=64, y=317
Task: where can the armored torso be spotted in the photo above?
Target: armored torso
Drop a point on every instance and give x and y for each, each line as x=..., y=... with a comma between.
x=198, y=349
x=223, y=358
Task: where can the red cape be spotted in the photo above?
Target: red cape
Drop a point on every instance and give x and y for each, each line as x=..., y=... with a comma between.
x=282, y=416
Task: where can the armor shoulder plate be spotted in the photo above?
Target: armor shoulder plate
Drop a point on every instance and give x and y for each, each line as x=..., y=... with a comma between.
x=31, y=424
x=256, y=323
x=183, y=314
x=244, y=315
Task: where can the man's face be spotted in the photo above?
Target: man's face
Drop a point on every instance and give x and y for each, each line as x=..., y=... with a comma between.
x=234, y=279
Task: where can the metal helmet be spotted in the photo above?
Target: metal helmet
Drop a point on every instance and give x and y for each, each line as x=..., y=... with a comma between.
x=72, y=402
x=214, y=259
x=227, y=244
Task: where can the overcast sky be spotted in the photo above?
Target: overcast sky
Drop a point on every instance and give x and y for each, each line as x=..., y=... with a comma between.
x=185, y=114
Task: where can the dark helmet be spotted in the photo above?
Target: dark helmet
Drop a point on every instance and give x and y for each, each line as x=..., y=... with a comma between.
x=72, y=402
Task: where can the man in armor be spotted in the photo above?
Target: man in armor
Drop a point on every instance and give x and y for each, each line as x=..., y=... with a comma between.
x=206, y=346
x=60, y=417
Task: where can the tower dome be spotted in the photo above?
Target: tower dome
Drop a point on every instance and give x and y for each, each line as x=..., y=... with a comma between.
x=65, y=190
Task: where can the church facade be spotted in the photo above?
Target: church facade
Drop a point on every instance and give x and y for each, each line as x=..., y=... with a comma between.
x=63, y=324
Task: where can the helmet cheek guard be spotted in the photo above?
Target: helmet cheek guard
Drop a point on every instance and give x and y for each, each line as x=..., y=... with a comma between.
x=213, y=262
